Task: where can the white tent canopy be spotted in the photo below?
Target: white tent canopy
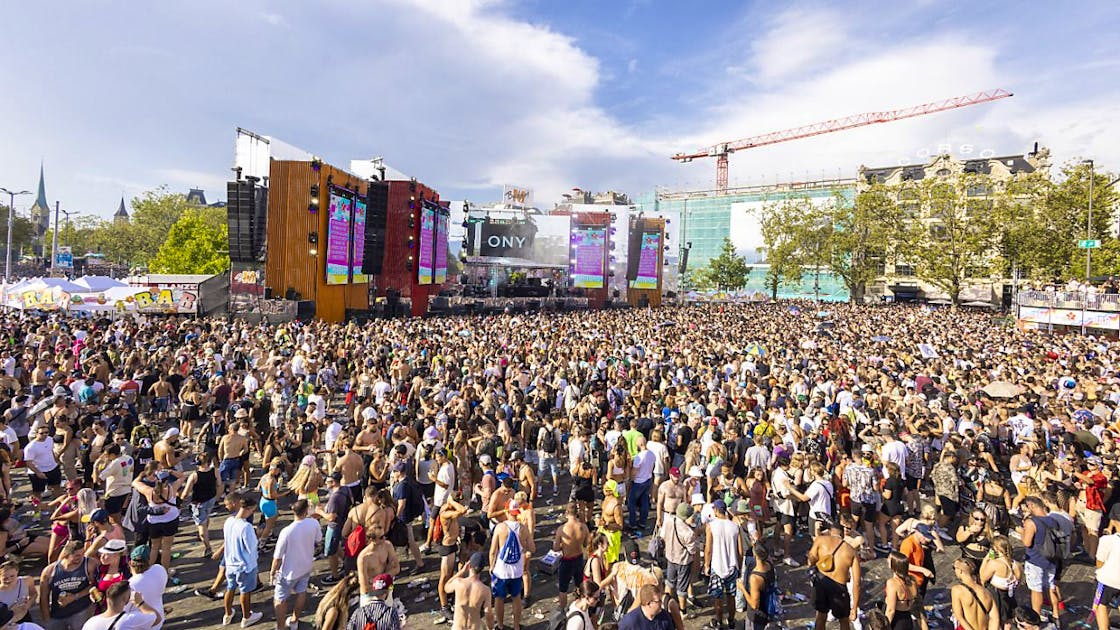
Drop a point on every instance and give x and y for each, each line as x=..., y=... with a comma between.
x=96, y=284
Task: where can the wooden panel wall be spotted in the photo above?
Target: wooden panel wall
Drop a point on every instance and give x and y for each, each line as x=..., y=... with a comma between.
x=289, y=263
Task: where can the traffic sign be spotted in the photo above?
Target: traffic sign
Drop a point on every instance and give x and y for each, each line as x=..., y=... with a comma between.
x=1091, y=244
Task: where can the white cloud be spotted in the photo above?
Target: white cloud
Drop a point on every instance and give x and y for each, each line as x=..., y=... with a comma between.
x=798, y=39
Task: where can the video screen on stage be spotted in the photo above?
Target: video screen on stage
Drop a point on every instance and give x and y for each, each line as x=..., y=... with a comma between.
x=426, y=259
x=647, y=261
x=589, y=248
x=338, y=238
x=359, y=240
x=443, y=220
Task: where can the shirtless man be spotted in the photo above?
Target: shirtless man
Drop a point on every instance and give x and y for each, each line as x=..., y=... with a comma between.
x=167, y=451
x=448, y=549
x=472, y=596
x=376, y=558
x=527, y=480
x=231, y=450
x=610, y=520
x=161, y=397
x=570, y=540
x=973, y=606
x=498, y=509
x=350, y=465
x=366, y=440
x=837, y=564
x=670, y=494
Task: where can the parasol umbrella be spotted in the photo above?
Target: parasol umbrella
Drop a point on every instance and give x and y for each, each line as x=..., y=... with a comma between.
x=757, y=350
x=1002, y=389
x=881, y=338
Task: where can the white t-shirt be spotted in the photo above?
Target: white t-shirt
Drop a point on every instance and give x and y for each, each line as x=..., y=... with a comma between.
x=296, y=547
x=9, y=436
x=1108, y=555
x=132, y=619
x=661, y=455
x=576, y=449
x=41, y=453
x=150, y=586
x=330, y=436
x=446, y=474
x=643, y=466
x=780, y=483
x=320, y=406
x=820, y=494
x=895, y=451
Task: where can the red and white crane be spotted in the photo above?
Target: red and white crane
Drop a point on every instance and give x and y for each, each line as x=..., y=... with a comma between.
x=722, y=150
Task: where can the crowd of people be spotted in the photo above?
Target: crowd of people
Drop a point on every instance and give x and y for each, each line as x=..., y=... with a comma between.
x=701, y=457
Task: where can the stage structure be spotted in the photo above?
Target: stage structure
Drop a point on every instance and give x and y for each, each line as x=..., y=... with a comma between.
x=645, y=261
x=589, y=251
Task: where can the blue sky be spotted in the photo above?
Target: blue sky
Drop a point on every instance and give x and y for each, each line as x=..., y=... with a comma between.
x=119, y=97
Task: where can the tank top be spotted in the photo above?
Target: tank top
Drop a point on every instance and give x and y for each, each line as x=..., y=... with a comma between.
x=160, y=511
x=205, y=487
x=69, y=582
x=508, y=571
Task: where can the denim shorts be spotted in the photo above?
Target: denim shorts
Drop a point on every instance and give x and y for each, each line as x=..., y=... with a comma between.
x=286, y=588
x=242, y=582
x=1038, y=579
x=200, y=512
x=229, y=469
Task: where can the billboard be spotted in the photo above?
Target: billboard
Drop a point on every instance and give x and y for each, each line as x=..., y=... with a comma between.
x=359, y=241
x=426, y=258
x=512, y=239
x=443, y=219
x=338, y=238
x=588, y=256
x=64, y=258
x=517, y=196
x=648, y=259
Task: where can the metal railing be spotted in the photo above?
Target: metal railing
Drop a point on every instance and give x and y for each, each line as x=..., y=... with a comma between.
x=1070, y=299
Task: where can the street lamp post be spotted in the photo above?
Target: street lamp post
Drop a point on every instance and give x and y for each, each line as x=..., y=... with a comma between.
x=11, y=218
x=1089, y=225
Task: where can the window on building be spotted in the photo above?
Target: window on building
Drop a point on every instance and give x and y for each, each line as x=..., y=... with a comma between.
x=904, y=270
x=943, y=172
x=938, y=232
x=979, y=190
x=881, y=268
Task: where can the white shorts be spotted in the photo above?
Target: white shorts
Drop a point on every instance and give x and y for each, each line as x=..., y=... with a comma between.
x=1039, y=580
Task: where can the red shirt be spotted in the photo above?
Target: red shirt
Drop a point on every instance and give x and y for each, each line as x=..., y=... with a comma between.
x=1093, y=498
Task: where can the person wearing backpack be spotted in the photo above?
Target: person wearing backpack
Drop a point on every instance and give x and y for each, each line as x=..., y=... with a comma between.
x=509, y=542
x=1040, y=537
x=583, y=611
x=548, y=447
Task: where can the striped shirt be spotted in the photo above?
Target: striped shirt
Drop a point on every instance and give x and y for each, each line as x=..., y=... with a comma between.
x=381, y=615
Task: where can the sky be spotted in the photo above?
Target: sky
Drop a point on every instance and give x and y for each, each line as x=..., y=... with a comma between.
x=115, y=98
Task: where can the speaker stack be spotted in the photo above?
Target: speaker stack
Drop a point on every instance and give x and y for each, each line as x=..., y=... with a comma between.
x=246, y=215
x=377, y=218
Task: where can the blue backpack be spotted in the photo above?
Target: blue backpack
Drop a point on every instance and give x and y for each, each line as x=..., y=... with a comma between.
x=510, y=553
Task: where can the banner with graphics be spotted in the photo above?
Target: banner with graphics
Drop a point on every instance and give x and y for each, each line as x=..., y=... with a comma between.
x=1069, y=317
x=338, y=239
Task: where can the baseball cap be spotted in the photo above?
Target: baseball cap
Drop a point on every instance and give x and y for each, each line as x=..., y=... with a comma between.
x=113, y=546
x=634, y=556
x=383, y=582
x=611, y=487
x=485, y=459
x=336, y=475
x=516, y=455
x=719, y=506
x=866, y=448
x=695, y=472
x=170, y=433
x=924, y=530
x=684, y=510
x=674, y=472
x=141, y=552
x=308, y=460
x=99, y=516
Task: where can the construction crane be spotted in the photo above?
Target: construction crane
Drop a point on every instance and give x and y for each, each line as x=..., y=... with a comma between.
x=722, y=150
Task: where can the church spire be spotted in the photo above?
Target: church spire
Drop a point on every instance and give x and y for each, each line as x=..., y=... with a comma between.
x=41, y=200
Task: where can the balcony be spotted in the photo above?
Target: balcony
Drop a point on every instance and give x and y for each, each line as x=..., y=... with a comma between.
x=1078, y=300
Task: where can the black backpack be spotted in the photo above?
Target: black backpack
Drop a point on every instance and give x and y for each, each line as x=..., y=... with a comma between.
x=548, y=442
x=1055, y=544
x=560, y=617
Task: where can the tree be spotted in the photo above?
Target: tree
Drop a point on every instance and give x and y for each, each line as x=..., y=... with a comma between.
x=726, y=272
x=957, y=236
x=198, y=242
x=23, y=233
x=1052, y=217
x=865, y=233
x=781, y=230
x=153, y=214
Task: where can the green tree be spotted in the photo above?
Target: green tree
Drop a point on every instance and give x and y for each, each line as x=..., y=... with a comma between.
x=782, y=224
x=864, y=236
x=23, y=233
x=726, y=272
x=198, y=242
x=957, y=237
x=153, y=214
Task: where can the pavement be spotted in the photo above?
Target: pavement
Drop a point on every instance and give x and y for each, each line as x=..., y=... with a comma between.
x=186, y=610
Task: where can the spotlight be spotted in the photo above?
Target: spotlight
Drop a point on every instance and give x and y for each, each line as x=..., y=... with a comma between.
x=313, y=252
x=313, y=237
x=316, y=164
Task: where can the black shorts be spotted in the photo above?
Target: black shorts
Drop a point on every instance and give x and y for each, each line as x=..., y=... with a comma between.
x=569, y=573
x=949, y=507
x=911, y=483
x=831, y=596
x=786, y=519
x=115, y=505
x=864, y=511
x=53, y=479
x=446, y=550
x=428, y=490
x=163, y=530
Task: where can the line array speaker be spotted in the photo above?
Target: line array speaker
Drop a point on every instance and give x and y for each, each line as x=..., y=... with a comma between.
x=246, y=215
x=377, y=218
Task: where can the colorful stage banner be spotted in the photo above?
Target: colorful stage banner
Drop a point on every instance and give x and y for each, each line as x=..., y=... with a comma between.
x=589, y=247
x=359, y=240
x=426, y=258
x=648, y=266
x=442, y=221
x=338, y=239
